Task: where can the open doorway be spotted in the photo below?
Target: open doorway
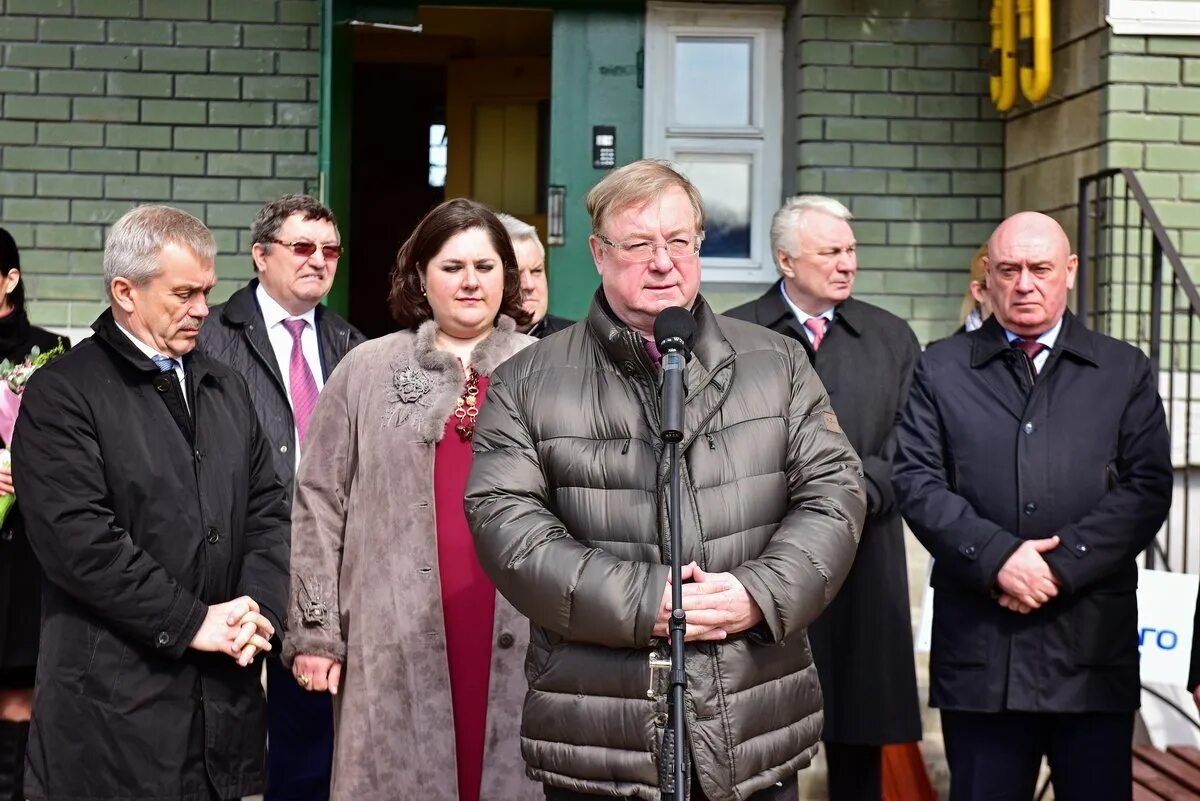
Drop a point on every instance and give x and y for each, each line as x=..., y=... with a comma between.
x=456, y=105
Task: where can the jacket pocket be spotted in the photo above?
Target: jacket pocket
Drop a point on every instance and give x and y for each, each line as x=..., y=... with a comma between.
x=1104, y=630
x=960, y=631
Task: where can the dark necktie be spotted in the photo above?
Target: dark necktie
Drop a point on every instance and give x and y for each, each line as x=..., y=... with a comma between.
x=300, y=377
x=1031, y=348
x=817, y=326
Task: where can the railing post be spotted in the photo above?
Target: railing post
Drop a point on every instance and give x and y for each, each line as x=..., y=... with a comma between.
x=1081, y=245
x=1156, y=304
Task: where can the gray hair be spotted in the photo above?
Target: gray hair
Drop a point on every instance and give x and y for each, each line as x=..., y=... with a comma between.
x=789, y=220
x=136, y=240
x=518, y=229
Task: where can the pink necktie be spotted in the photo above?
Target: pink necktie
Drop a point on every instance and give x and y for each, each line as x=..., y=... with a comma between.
x=1032, y=348
x=303, y=385
x=817, y=326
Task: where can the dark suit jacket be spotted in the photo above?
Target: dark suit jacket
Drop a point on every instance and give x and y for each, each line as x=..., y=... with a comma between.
x=550, y=324
x=862, y=644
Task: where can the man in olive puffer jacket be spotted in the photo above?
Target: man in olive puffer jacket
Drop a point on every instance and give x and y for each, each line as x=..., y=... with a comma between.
x=567, y=503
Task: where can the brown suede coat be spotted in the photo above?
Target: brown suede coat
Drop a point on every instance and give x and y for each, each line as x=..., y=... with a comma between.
x=365, y=579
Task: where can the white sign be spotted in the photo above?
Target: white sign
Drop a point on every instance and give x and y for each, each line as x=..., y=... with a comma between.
x=1166, y=604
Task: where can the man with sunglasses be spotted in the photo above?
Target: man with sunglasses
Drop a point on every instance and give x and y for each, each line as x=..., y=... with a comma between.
x=276, y=333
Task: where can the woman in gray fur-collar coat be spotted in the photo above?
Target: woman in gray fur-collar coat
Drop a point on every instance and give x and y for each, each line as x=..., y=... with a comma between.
x=390, y=610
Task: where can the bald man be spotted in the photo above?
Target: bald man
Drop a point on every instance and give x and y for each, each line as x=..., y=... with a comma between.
x=1034, y=464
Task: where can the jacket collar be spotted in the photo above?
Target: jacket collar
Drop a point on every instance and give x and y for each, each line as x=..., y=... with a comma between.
x=1074, y=340
x=242, y=307
x=772, y=311
x=486, y=357
x=196, y=363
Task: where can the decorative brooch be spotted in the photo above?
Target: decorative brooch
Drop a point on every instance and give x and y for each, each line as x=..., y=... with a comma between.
x=314, y=611
x=408, y=386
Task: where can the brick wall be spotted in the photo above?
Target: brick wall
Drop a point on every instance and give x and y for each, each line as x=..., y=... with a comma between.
x=209, y=105
x=893, y=118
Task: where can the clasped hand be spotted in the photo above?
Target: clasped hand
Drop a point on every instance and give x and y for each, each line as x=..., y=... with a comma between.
x=715, y=604
x=1026, y=581
x=236, y=628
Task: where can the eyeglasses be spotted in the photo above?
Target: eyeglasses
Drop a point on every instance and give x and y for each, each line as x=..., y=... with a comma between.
x=680, y=247
x=306, y=249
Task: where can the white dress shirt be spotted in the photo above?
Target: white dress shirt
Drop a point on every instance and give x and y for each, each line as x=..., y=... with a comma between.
x=281, y=343
x=1048, y=339
x=150, y=353
x=804, y=316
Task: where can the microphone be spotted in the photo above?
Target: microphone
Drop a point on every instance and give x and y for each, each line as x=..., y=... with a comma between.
x=674, y=331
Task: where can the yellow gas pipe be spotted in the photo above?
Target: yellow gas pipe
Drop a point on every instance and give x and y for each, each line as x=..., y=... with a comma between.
x=1003, y=80
x=1034, y=50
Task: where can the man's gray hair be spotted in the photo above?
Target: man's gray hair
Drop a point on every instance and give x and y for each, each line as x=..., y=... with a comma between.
x=518, y=229
x=136, y=240
x=789, y=220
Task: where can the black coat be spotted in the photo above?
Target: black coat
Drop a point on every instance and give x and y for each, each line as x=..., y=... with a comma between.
x=236, y=335
x=141, y=518
x=550, y=324
x=862, y=644
x=989, y=458
x=20, y=575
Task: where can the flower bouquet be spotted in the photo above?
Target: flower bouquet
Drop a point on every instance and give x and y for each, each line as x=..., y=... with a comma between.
x=13, y=378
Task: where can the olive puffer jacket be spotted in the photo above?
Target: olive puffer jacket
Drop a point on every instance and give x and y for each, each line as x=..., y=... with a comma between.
x=567, y=503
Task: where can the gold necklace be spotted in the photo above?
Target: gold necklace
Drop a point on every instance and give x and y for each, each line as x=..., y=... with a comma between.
x=466, y=408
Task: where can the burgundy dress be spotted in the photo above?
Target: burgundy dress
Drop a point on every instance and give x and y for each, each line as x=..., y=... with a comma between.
x=468, y=603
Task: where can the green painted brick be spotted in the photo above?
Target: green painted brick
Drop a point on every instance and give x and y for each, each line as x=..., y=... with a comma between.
x=1191, y=71
x=924, y=31
x=922, y=182
x=1160, y=184
x=919, y=131
x=913, y=233
x=18, y=28
x=85, y=262
x=108, y=9
x=884, y=105
x=1125, y=97
x=1174, y=45
x=29, y=210
x=16, y=184
x=813, y=28
x=977, y=183
x=301, y=11
x=174, y=59
x=37, y=107
x=140, y=32
x=242, y=62
x=1142, y=127
x=41, y=8
x=808, y=129
x=898, y=305
x=17, y=133
x=822, y=154
x=105, y=109
x=177, y=9
x=215, y=86
x=811, y=77
x=296, y=113
x=239, y=164
x=857, y=79
x=947, y=156
x=870, y=233
x=825, y=53
x=1172, y=100
x=991, y=158
x=206, y=138
x=70, y=82
x=261, y=190
x=912, y=282
x=42, y=262
x=846, y=129
x=314, y=140
x=84, y=314
x=64, y=288
x=937, y=307
x=810, y=180
x=294, y=62
x=314, y=89
x=71, y=30
x=945, y=208
x=1125, y=154
x=185, y=112
x=237, y=267
x=296, y=166
x=98, y=211
x=948, y=56
x=871, y=155
x=139, y=84
x=36, y=159
x=77, y=134
x=276, y=37
x=107, y=160
x=208, y=34
x=49, y=314
x=1126, y=44
x=106, y=57
x=226, y=240
x=18, y=82
x=137, y=187
x=862, y=29
x=971, y=234
x=231, y=215
x=972, y=30
x=1190, y=130
x=825, y=103
x=947, y=107
x=855, y=181
x=138, y=136
x=922, y=81
x=285, y=140
x=955, y=258
x=982, y=133
x=204, y=189
x=1176, y=214
x=1124, y=68
x=241, y=11
x=21, y=232
x=223, y=113
x=971, y=82
x=37, y=55
x=157, y=162
x=884, y=55
x=83, y=237
x=881, y=207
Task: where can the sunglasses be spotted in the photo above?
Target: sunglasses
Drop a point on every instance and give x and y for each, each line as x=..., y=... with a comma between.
x=306, y=249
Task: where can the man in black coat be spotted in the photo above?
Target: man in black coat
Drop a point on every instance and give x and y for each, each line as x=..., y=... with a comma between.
x=151, y=501
x=1034, y=464
x=296, y=250
x=865, y=356
x=535, y=290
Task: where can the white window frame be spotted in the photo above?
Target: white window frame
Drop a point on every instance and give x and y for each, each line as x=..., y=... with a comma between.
x=1154, y=17
x=761, y=140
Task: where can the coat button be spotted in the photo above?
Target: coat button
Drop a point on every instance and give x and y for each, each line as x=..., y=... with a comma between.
x=161, y=385
x=199, y=454
x=1081, y=548
x=660, y=719
x=967, y=550
x=1030, y=508
x=283, y=448
x=214, y=536
x=163, y=639
x=506, y=640
x=1029, y=428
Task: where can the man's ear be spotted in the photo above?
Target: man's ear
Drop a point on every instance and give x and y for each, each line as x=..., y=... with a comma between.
x=122, y=293
x=784, y=262
x=259, y=254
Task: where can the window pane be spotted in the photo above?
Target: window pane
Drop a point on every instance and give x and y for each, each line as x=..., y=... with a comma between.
x=712, y=81
x=437, y=155
x=724, y=183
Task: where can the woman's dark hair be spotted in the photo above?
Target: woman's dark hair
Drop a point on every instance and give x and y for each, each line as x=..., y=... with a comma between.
x=408, y=303
x=10, y=259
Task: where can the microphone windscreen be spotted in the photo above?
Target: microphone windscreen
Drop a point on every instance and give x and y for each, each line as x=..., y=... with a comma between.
x=674, y=328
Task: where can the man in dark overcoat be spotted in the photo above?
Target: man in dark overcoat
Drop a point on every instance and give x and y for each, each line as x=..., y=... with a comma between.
x=151, y=502
x=865, y=357
x=1034, y=464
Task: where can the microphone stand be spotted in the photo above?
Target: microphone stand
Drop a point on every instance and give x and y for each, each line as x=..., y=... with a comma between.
x=673, y=744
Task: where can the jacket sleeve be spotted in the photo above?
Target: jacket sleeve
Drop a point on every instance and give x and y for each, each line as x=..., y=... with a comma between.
x=1129, y=515
x=264, y=569
x=970, y=547
x=877, y=467
x=808, y=557
x=59, y=474
x=581, y=593
x=319, y=522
